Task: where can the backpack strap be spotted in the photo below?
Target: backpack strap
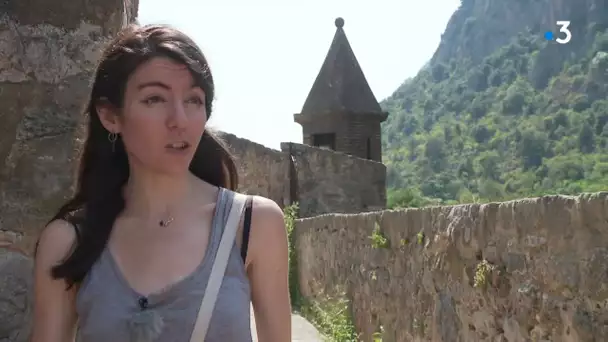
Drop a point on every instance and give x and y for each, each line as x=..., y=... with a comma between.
x=218, y=269
x=246, y=227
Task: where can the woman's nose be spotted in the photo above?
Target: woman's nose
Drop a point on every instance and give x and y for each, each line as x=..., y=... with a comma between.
x=178, y=117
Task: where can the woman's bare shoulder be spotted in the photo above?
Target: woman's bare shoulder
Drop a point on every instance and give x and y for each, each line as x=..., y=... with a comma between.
x=55, y=242
x=264, y=208
x=266, y=217
x=54, y=304
x=267, y=224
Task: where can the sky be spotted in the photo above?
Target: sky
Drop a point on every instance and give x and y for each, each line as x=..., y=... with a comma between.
x=266, y=54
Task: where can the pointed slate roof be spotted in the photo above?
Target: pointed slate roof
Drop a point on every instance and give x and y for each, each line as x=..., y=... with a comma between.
x=340, y=85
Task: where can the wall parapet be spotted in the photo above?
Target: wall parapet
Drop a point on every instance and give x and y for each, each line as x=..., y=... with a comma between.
x=330, y=181
x=529, y=269
x=320, y=180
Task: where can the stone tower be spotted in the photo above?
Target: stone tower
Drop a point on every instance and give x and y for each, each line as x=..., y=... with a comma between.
x=341, y=112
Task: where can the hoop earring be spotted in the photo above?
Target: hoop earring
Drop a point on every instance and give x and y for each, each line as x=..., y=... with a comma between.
x=112, y=137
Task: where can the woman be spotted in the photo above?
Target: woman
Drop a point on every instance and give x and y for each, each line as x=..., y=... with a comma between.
x=128, y=257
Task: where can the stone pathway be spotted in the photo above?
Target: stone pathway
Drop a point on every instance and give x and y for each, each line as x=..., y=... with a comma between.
x=301, y=330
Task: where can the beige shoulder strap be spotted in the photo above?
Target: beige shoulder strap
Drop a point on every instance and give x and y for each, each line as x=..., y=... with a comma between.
x=218, y=270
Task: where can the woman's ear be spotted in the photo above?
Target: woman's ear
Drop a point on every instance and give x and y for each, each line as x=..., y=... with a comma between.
x=108, y=115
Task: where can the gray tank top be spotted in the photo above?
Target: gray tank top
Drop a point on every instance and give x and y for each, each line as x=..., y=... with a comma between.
x=110, y=310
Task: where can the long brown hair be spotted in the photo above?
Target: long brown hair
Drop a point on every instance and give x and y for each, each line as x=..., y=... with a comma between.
x=104, y=168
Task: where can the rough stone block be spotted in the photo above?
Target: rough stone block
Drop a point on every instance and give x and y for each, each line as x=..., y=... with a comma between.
x=16, y=298
x=333, y=182
x=48, y=51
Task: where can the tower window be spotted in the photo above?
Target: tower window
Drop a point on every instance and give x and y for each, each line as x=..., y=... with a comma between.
x=325, y=140
x=369, y=148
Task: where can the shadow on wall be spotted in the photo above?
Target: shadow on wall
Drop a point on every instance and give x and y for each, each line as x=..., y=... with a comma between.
x=320, y=180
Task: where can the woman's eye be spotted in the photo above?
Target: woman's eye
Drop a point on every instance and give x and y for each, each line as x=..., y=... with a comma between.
x=153, y=99
x=196, y=100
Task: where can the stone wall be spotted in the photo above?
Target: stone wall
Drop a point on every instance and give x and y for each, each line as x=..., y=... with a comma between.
x=48, y=50
x=321, y=181
x=331, y=182
x=526, y=270
x=262, y=171
x=353, y=132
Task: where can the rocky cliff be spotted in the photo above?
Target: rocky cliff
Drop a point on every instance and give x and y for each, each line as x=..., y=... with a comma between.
x=480, y=27
x=500, y=112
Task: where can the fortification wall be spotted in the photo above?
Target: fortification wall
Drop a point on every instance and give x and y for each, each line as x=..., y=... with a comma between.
x=332, y=182
x=526, y=270
x=47, y=53
x=262, y=171
x=48, y=50
x=321, y=181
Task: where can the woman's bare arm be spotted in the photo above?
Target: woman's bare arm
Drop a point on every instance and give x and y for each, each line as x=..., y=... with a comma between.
x=54, y=305
x=268, y=272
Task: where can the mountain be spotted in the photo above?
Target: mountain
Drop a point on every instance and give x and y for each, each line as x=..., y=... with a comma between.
x=501, y=112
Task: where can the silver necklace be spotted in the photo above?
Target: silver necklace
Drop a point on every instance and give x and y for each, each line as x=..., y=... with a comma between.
x=166, y=223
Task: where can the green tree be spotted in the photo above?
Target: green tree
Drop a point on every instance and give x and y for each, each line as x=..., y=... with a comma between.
x=498, y=118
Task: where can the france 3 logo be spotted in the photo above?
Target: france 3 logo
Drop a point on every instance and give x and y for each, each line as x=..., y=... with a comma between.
x=563, y=36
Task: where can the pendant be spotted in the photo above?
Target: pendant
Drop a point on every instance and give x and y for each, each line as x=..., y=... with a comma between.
x=165, y=223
